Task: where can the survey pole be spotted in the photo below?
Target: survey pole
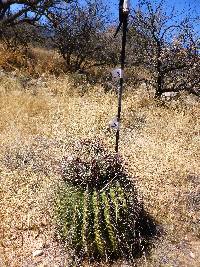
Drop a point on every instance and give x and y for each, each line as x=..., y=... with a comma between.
x=124, y=8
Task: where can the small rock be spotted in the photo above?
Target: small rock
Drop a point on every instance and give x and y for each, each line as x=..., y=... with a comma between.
x=169, y=95
x=40, y=243
x=125, y=264
x=42, y=265
x=192, y=255
x=38, y=252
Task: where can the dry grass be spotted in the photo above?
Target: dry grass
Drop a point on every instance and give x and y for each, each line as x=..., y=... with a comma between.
x=160, y=144
x=33, y=61
x=11, y=60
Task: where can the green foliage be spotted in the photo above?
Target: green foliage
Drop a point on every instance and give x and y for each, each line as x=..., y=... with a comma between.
x=97, y=206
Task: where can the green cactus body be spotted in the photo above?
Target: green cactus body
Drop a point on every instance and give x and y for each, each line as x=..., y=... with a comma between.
x=96, y=211
x=121, y=195
x=64, y=211
x=108, y=219
x=77, y=218
x=115, y=202
x=85, y=223
x=97, y=224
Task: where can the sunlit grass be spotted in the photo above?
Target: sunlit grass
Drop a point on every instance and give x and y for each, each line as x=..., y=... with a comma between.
x=160, y=144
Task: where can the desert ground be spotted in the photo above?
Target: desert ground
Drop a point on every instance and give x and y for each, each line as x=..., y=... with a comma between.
x=159, y=142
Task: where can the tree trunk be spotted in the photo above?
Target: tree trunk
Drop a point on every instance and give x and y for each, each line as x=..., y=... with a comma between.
x=68, y=59
x=159, y=85
x=160, y=77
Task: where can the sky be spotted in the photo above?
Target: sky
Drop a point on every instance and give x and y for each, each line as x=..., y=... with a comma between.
x=180, y=5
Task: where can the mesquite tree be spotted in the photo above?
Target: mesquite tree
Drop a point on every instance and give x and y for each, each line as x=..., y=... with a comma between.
x=79, y=34
x=169, y=47
x=20, y=21
x=29, y=11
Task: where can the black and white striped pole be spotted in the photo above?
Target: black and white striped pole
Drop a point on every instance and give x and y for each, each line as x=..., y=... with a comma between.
x=124, y=8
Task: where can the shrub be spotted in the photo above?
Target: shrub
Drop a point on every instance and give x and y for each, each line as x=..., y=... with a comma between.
x=97, y=209
x=11, y=60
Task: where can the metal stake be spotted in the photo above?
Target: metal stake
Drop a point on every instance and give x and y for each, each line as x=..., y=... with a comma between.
x=123, y=16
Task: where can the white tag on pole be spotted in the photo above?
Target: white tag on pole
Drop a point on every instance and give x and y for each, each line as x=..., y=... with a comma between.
x=126, y=6
x=114, y=124
x=117, y=74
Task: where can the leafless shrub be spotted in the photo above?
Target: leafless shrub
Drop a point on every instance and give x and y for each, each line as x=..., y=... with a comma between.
x=79, y=34
x=167, y=47
x=30, y=11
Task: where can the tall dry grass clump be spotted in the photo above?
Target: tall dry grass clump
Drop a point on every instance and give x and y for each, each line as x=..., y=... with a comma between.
x=11, y=60
x=31, y=61
x=159, y=141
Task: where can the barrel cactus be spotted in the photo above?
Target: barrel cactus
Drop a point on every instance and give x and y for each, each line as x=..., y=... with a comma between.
x=97, y=208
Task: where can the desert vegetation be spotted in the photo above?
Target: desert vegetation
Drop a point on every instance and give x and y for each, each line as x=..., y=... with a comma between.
x=161, y=40
x=66, y=199
x=159, y=143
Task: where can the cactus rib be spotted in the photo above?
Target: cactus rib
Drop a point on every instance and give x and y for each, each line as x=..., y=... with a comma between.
x=97, y=228
x=108, y=218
